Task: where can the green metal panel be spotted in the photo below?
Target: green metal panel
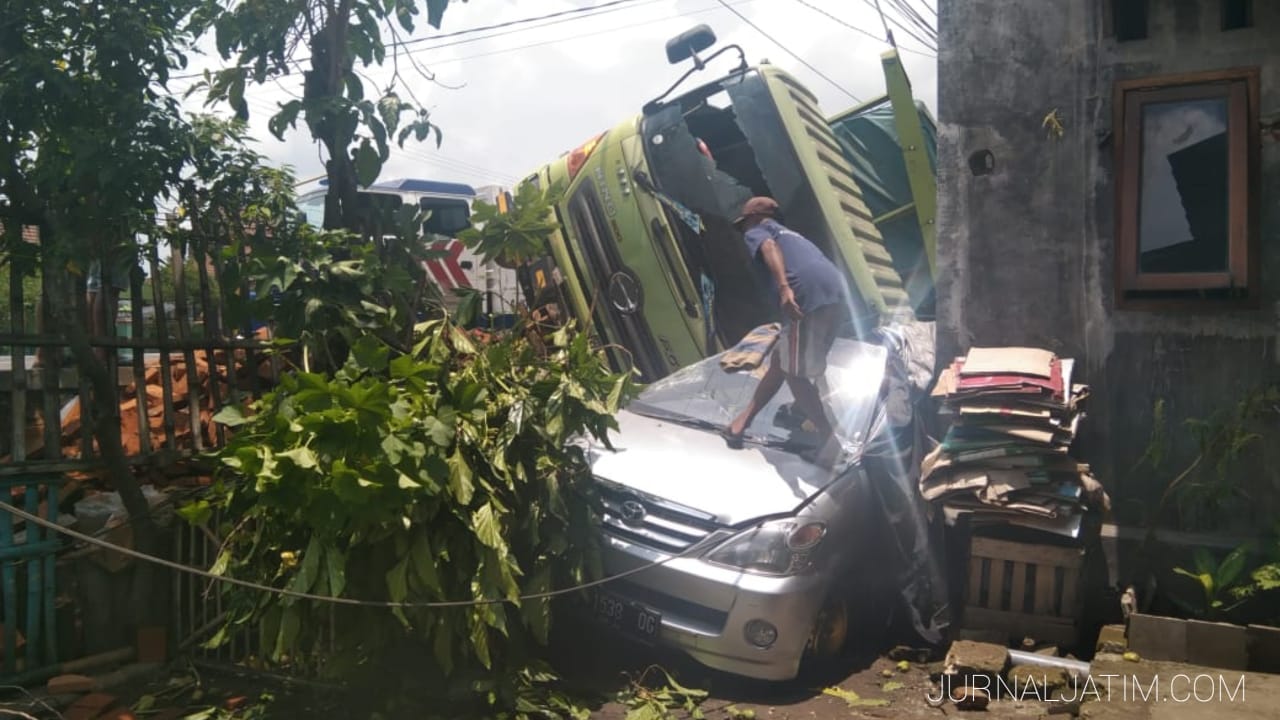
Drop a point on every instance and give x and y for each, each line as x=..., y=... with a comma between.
x=858, y=240
x=921, y=166
x=897, y=177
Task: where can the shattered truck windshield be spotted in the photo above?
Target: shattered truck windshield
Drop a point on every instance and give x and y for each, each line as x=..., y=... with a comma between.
x=710, y=150
x=704, y=395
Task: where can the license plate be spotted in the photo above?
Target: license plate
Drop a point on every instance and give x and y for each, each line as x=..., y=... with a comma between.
x=629, y=617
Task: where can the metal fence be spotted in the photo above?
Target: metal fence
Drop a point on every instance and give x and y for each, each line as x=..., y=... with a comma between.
x=160, y=330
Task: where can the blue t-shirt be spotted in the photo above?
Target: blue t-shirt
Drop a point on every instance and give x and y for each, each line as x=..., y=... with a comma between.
x=814, y=279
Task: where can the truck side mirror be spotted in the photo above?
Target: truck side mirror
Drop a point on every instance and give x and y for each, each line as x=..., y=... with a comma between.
x=689, y=43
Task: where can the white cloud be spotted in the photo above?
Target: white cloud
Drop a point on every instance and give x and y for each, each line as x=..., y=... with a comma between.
x=534, y=92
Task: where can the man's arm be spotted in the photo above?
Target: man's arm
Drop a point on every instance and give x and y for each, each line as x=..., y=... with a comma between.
x=773, y=260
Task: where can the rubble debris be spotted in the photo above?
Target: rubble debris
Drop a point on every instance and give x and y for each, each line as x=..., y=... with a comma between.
x=968, y=658
x=1075, y=667
x=1111, y=639
x=1043, y=679
x=224, y=371
x=970, y=698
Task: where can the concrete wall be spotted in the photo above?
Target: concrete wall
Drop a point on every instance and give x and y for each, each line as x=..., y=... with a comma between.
x=1026, y=252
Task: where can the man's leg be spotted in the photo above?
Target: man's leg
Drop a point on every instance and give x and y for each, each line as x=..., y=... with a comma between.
x=809, y=400
x=768, y=387
x=817, y=336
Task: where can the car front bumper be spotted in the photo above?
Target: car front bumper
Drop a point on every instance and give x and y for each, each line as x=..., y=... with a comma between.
x=706, y=607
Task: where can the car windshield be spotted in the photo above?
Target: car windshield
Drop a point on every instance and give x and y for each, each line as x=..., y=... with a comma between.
x=705, y=395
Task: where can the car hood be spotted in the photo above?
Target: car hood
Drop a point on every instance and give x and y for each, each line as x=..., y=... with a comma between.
x=695, y=468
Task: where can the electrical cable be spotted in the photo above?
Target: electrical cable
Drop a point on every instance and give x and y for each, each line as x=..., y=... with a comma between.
x=284, y=592
x=857, y=29
x=788, y=51
x=914, y=19
x=607, y=7
x=888, y=18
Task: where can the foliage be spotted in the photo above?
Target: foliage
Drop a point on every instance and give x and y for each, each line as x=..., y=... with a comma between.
x=438, y=473
x=518, y=235
x=1216, y=581
x=90, y=143
x=354, y=126
x=658, y=703
x=853, y=699
x=1204, y=486
x=1248, y=570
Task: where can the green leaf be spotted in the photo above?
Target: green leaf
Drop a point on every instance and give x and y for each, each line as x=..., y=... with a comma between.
x=337, y=570
x=398, y=587
x=1232, y=567
x=290, y=626
x=1204, y=563
x=307, y=574
x=424, y=562
x=196, y=513
x=488, y=530
x=303, y=457
x=442, y=648
x=435, y=12
x=480, y=643
x=231, y=416
x=286, y=118
x=368, y=164
x=460, y=478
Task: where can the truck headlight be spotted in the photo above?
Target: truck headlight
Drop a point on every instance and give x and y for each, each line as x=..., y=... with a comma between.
x=777, y=547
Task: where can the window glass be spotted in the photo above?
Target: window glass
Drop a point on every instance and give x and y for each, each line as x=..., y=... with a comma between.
x=1183, y=216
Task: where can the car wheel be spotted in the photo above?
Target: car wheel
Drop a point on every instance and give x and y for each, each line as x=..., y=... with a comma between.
x=830, y=631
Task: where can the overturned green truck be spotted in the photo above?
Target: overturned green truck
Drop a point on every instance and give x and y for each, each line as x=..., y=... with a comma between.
x=646, y=254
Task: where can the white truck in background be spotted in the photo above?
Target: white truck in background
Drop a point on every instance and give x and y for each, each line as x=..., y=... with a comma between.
x=459, y=273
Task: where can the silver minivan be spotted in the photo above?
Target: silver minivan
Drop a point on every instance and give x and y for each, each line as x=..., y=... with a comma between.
x=753, y=558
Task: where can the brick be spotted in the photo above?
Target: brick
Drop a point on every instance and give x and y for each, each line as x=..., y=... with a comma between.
x=1218, y=645
x=1112, y=639
x=1264, y=648
x=1044, y=679
x=68, y=684
x=1158, y=638
x=975, y=658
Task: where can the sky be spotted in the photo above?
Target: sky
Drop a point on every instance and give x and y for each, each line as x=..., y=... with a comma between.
x=509, y=100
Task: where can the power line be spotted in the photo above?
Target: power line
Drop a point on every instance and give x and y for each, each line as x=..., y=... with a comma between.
x=857, y=29
x=788, y=51
x=594, y=10
x=284, y=592
x=906, y=10
x=886, y=19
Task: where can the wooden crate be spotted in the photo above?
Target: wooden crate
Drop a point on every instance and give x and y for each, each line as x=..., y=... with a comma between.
x=1024, y=590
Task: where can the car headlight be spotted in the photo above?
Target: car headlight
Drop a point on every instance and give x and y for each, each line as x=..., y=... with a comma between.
x=777, y=547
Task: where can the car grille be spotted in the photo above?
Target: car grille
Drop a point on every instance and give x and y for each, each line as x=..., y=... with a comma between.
x=652, y=522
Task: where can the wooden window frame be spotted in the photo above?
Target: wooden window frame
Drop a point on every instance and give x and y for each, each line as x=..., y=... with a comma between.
x=1240, y=87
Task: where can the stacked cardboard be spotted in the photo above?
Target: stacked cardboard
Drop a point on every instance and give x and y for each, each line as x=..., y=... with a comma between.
x=1006, y=456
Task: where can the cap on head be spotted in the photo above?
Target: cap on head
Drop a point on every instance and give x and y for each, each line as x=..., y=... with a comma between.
x=757, y=206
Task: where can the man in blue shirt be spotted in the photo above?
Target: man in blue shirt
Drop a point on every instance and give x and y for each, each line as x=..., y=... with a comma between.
x=812, y=296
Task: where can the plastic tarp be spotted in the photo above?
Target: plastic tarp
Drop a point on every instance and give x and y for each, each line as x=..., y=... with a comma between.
x=913, y=544
x=870, y=142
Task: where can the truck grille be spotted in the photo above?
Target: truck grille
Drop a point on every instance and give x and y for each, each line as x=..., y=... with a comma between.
x=651, y=522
